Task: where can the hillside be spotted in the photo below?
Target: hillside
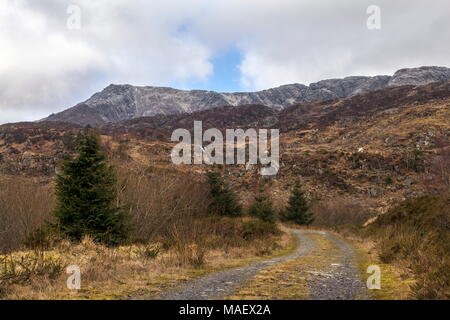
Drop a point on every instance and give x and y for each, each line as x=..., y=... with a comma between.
x=375, y=146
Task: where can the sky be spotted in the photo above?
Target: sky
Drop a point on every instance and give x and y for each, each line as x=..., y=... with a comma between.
x=57, y=53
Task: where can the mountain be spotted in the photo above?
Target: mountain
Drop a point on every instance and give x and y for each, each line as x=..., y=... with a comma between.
x=123, y=102
x=302, y=116
x=377, y=146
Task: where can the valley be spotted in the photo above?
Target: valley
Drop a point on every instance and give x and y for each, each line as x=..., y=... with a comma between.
x=359, y=157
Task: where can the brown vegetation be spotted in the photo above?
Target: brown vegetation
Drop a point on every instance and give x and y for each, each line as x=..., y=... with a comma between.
x=24, y=207
x=416, y=232
x=172, y=233
x=340, y=214
x=437, y=180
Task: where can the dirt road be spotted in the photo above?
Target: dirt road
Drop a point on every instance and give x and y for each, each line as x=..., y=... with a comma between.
x=322, y=261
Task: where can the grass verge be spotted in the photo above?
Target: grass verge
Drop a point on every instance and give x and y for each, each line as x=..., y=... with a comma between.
x=395, y=280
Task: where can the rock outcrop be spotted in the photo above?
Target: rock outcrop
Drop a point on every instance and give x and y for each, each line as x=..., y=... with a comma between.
x=123, y=102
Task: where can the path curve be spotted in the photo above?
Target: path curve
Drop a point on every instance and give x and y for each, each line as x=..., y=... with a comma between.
x=221, y=284
x=342, y=280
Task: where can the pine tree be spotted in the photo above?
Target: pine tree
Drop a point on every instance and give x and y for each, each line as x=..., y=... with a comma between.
x=86, y=195
x=224, y=200
x=297, y=210
x=262, y=207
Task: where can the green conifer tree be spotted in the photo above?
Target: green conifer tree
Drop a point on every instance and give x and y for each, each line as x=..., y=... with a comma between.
x=224, y=200
x=297, y=210
x=86, y=195
x=262, y=207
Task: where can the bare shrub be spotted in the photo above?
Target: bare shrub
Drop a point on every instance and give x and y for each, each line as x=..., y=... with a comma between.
x=167, y=208
x=159, y=201
x=24, y=207
x=339, y=213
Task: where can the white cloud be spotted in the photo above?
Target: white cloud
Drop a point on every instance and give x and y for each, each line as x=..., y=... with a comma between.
x=305, y=41
x=44, y=67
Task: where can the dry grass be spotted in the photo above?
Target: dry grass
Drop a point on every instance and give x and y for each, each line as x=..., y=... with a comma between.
x=119, y=273
x=396, y=279
x=416, y=234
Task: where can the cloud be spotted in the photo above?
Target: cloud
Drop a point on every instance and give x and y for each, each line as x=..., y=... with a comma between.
x=305, y=41
x=45, y=67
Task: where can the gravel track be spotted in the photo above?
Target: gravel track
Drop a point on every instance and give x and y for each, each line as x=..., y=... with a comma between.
x=221, y=284
x=340, y=282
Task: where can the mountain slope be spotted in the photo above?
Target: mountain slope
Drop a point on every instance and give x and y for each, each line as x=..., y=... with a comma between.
x=375, y=147
x=123, y=102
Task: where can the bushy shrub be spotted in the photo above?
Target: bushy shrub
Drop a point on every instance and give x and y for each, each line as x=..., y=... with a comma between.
x=254, y=229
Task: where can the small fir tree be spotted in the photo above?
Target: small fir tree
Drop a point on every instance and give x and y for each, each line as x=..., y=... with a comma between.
x=224, y=200
x=86, y=195
x=297, y=210
x=262, y=207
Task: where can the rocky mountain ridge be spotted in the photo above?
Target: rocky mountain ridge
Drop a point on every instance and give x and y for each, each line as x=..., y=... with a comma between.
x=123, y=102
